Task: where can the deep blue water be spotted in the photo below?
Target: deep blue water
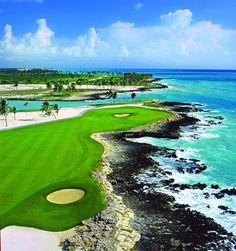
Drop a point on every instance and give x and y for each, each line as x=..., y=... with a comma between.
x=216, y=146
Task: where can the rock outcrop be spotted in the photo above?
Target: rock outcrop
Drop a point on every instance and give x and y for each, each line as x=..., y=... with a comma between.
x=109, y=230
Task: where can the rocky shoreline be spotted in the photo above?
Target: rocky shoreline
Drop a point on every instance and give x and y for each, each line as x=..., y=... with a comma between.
x=156, y=221
x=109, y=230
x=162, y=223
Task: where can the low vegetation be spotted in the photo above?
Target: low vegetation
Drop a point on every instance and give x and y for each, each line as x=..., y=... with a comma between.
x=55, y=79
x=40, y=159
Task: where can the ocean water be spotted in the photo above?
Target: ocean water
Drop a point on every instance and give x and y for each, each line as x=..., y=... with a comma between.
x=215, y=146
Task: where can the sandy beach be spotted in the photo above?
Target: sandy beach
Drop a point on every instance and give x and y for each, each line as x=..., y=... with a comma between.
x=16, y=238
x=30, y=118
x=9, y=87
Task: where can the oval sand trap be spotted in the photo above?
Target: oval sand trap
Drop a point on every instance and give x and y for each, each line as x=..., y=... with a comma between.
x=65, y=196
x=121, y=115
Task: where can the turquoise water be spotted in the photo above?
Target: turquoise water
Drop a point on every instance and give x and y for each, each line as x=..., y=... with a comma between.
x=215, y=146
x=217, y=91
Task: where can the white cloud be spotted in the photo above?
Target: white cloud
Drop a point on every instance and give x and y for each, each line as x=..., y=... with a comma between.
x=88, y=45
x=31, y=44
x=44, y=34
x=8, y=36
x=178, y=41
x=178, y=19
x=139, y=6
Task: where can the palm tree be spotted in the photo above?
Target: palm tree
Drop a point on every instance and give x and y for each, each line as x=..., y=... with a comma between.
x=73, y=86
x=45, y=106
x=50, y=109
x=56, y=108
x=112, y=94
x=4, y=109
x=49, y=85
x=58, y=87
x=15, y=85
x=133, y=95
x=25, y=105
x=13, y=109
x=49, y=112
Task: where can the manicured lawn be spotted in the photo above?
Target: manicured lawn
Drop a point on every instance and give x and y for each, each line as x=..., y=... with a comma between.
x=37, y=160
x=23, y=92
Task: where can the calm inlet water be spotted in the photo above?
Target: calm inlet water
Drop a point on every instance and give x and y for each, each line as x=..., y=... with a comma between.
x=215, y=146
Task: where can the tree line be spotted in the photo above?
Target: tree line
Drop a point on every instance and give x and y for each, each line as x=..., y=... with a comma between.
x=48, y=109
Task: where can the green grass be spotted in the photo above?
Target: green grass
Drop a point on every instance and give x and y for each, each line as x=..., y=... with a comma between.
x=37, y=160
x=24, y=92
x=136, y=101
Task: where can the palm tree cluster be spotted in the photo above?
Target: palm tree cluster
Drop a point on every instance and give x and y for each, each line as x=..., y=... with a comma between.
x=50, y=109
x=71, y=87
x=132, y=78
x=112, y=94
x=5, y=109
x=57, y=87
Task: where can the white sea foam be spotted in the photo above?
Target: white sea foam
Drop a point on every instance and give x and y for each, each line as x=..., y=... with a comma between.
x=197, y=201
x=195, y=198
x=187, y=153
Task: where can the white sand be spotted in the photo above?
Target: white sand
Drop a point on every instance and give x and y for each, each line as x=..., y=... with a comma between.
x=29, y=118
x=121, y=115
x=15, y=238
x=97, y=87
x=65, y=196
x=22, y=87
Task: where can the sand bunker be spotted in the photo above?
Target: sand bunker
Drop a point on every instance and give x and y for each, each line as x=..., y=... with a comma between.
x=65, y=196
x=121, y=115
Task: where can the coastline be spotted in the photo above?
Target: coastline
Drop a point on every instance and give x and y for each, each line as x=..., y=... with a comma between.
x=162, y=222
x=98, y=224
x=80, y=96
x=110, y=229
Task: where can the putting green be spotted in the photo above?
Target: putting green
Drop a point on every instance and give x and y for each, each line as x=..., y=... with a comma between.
x=41, y=159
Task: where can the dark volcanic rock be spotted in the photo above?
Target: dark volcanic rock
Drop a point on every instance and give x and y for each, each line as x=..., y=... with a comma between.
x=223, y=207
x=199, y=186
x=163, y=224
x=231, y=191
x=215, y=186
x=223, y=192
x=218, y=195
x=187, y=186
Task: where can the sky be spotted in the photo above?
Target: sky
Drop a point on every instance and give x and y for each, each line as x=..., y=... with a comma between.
x=182, y=34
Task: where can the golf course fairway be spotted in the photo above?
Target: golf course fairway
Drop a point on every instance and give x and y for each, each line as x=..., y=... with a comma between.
x=39, y=159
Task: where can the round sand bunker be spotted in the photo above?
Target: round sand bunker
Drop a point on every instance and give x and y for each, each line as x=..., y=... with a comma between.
x=121, y=115
x=66, y=196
